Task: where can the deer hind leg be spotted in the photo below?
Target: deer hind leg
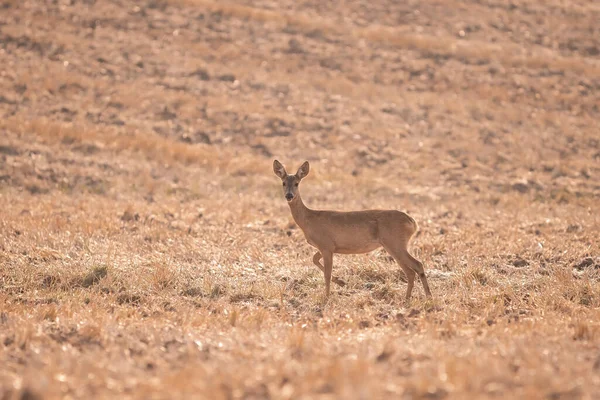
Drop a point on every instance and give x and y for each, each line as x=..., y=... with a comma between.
x=316, y=260
x=417, y=266
x=410, y=276
x=411, y=267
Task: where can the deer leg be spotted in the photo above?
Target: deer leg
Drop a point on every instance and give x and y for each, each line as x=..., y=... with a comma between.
x=411, y=267
x=328, y=267
x=417, y=266
x=410, y=276
x=334, y=279
x=423, y=278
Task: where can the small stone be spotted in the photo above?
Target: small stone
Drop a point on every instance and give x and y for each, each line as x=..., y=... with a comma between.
x=227, y=78
x=520, y=263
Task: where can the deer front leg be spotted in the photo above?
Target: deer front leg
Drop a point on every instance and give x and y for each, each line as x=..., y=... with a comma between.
x=316, y=260
x=327, y=268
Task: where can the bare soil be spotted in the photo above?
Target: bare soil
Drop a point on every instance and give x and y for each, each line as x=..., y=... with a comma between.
x=146, y=249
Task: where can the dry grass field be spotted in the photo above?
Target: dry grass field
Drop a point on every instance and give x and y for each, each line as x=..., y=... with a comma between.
x=146, y=249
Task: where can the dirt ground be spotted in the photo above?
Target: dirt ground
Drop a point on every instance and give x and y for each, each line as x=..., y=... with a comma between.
x=146, y=249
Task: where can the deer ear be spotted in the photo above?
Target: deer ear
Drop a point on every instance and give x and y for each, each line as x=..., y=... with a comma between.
x=303, y=170
x=279, y=169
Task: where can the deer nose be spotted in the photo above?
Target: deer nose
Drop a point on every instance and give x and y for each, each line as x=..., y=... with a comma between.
x=289, y=196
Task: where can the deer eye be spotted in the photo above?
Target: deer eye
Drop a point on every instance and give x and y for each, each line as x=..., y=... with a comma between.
x=283, y=183
x=296, y=184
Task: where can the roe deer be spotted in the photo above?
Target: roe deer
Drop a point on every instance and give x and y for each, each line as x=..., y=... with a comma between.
x=351, y=232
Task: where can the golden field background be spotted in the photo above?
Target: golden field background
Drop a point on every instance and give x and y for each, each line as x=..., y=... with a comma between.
x=146, y=250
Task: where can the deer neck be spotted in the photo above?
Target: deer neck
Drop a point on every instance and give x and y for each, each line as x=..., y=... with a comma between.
x=299, y=211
